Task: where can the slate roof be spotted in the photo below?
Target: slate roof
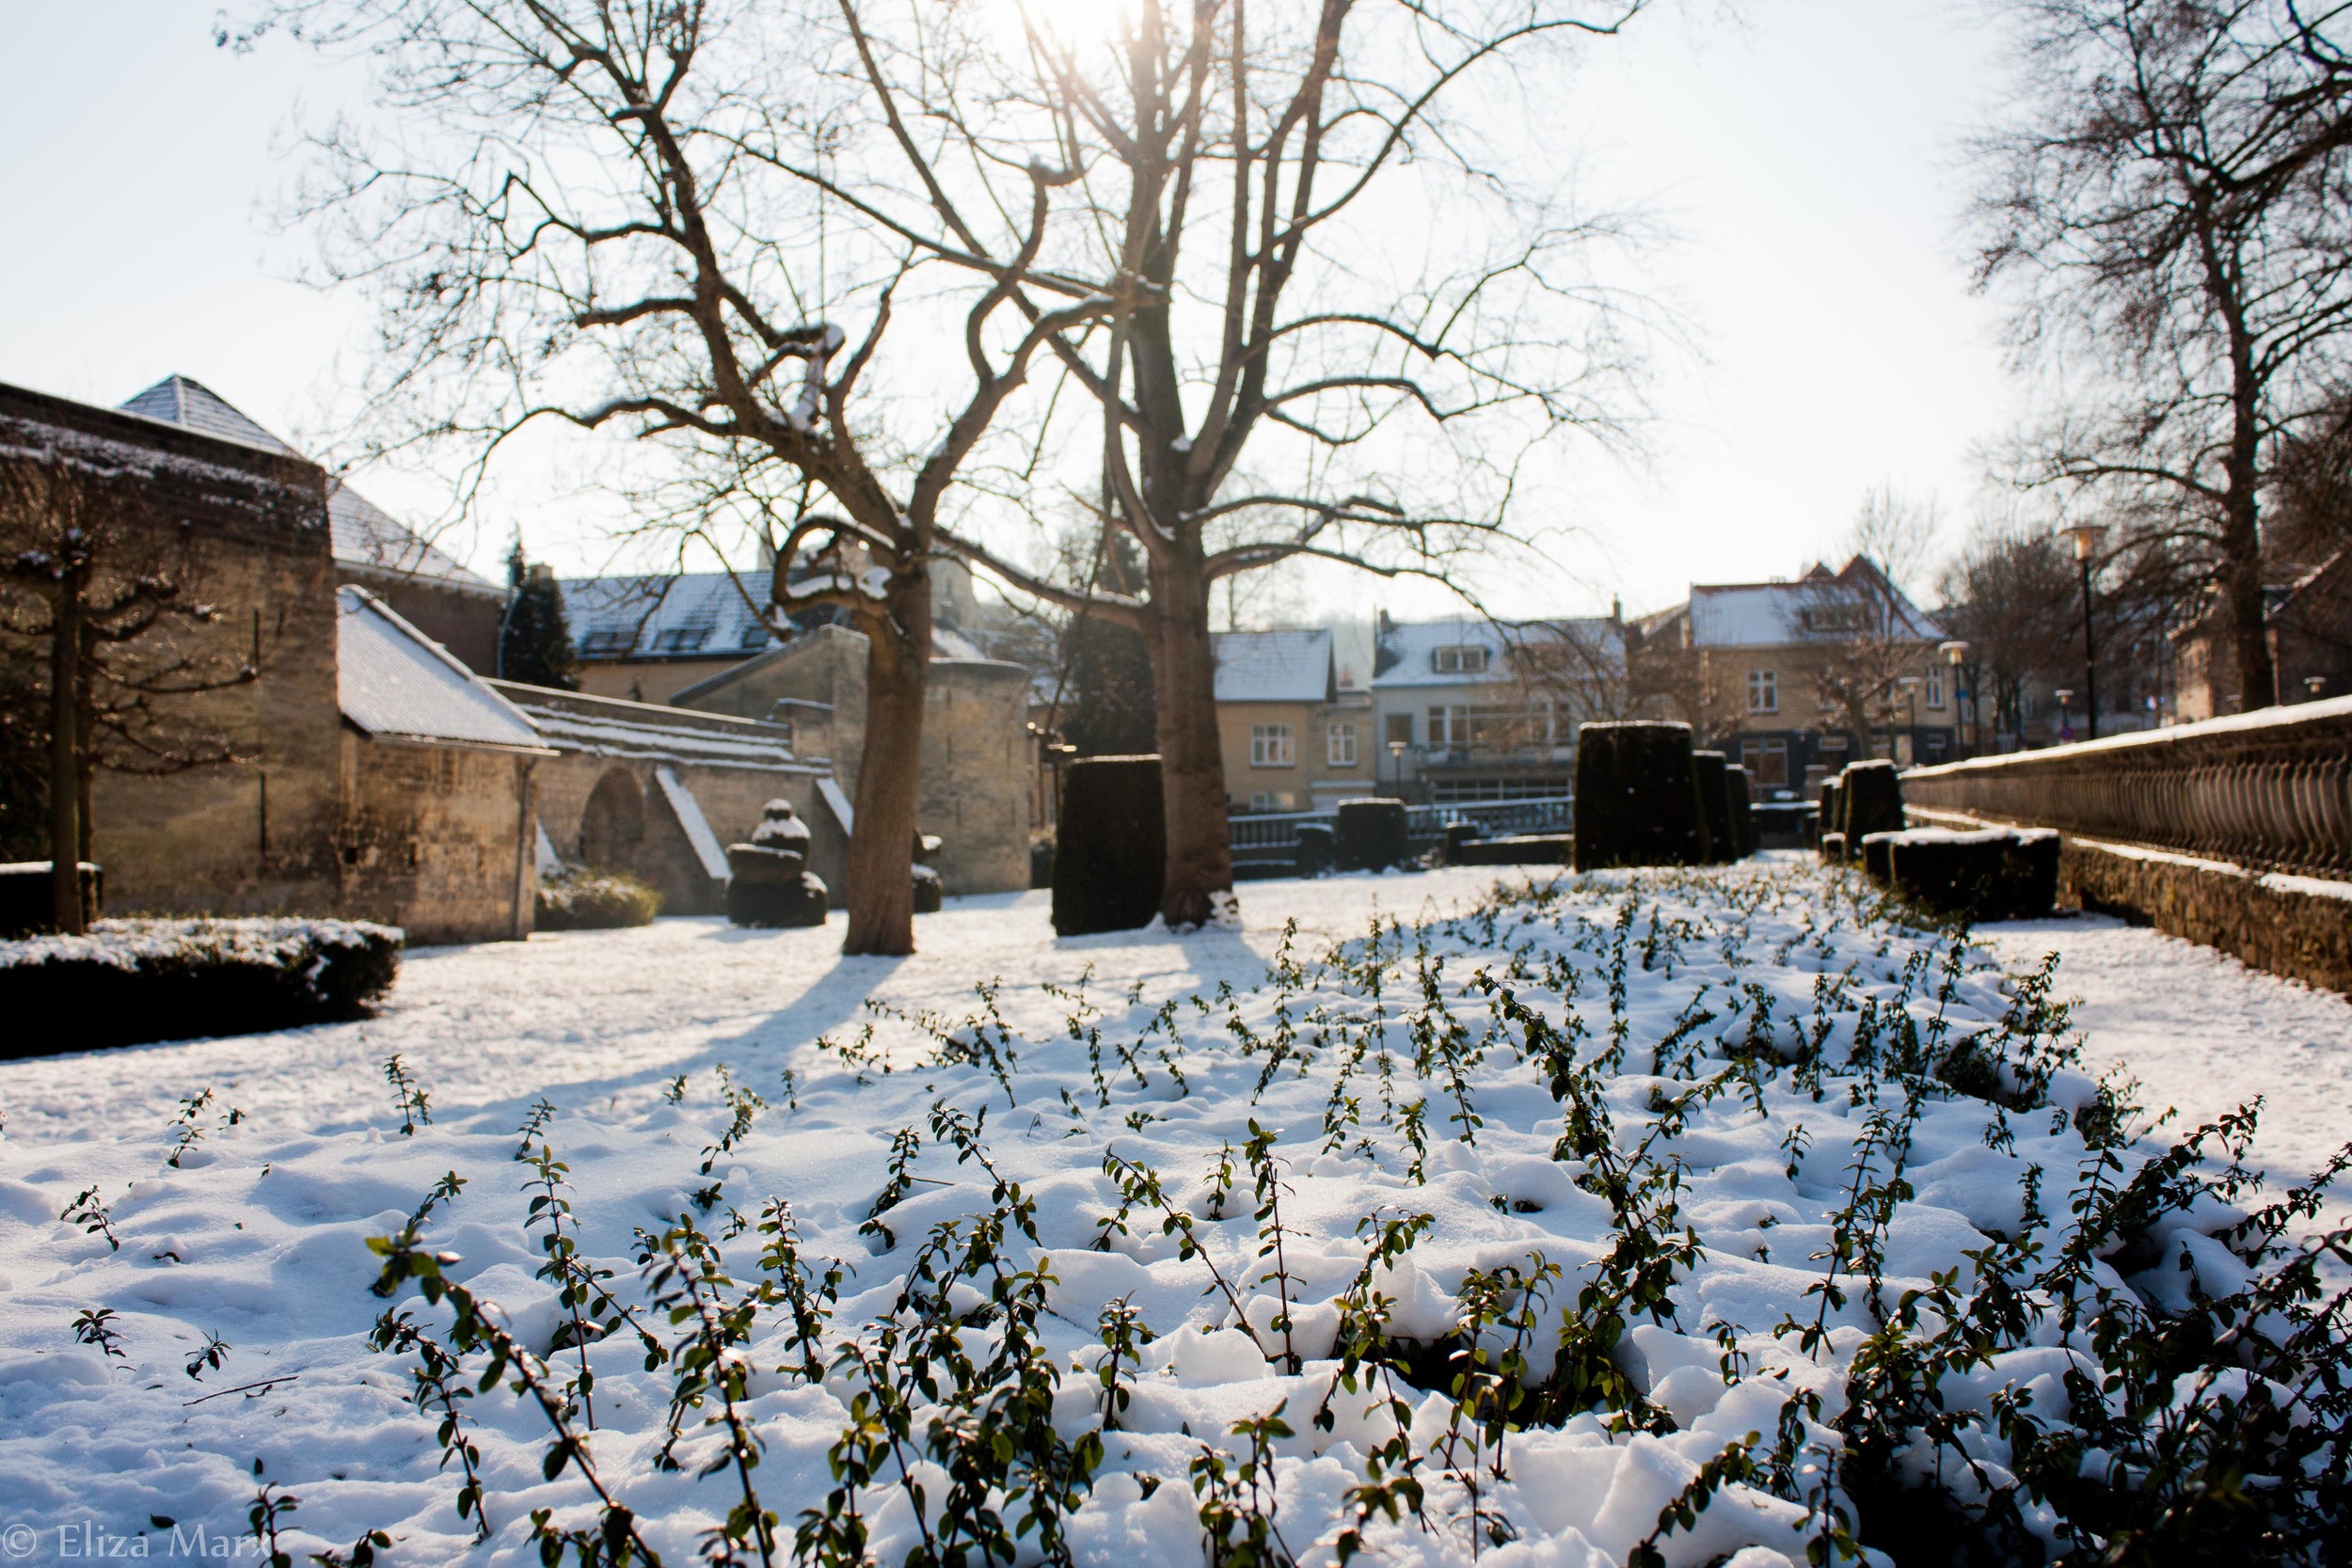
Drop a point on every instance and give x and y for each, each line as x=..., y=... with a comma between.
x=576, y=722
x=1274, y=667
x=395, y=683
x=1406, y=650
x=664, y=615
x=1770, y=614
x=367, y=538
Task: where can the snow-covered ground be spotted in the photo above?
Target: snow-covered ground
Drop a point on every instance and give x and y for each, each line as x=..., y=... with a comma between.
x=1440, y=1096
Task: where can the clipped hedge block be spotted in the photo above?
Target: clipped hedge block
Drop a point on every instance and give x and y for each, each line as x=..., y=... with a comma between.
x=1710, y=771
x=1785, y=825
x=1830, y=820
x=1457, y=834
x=1994, y=874
x=928, y=891
x=1369, y=835
x=1874, y=855
x=769, y=881
x=133, y=981
x=24, y=901
x=1740, y=790
x=1316, y=845
x=1516, y=850
x=1834, y=849
x=594, y=901
x=1637, y=796
x=1871, y=797
x=1111, y=857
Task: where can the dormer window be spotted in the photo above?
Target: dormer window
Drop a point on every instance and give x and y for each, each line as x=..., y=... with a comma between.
x=608, y=640
x=1465, y=659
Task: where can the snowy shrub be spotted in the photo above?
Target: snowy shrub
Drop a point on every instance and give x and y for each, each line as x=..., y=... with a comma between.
x=130, y=981
x=589, y=900
x=1679, y=1220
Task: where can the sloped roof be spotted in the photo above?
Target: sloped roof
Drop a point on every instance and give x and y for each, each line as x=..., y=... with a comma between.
x=395, y=683
x=1407, y=649
x=616, y=727
x=668, y=614
x=1274, y=667
x=1770, y=614
x=367, y=538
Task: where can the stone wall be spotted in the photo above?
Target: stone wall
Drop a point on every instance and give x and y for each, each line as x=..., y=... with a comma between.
x=258, y=836
x=973, y=790
x=466, y=624
x=437, y=840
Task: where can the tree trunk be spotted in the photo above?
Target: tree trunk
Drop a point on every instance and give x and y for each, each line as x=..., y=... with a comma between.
x=881, y=840
x=65, y=782
x=1198, y=885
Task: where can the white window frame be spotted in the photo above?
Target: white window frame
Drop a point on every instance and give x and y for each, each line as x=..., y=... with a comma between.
x=1449, y=726
x=1459, y=659
x=1339, y=744
x=1272, y=746
x=1935, y=694
x=1763, y=692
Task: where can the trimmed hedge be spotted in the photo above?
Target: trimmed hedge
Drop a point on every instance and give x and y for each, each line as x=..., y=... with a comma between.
x=594, y=901
x=24, y=901
x=1111, y=857
x=1784, y=825
x=1637, y=797
x=769, y=881
x=1834, y=849
x=1871, y=794
x=1711, y=770
x=1998, y=874
x=1316, y=846
x=1369, y=835
x=1740, y=791
x=1517, y=850
x=1832, y=819
x=1874, y=855
x=133, y=981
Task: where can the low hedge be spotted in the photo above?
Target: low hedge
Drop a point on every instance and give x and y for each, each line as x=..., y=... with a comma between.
x=1871, y=797
x=1637, y=797
x=594, y=901
x=28, y=906
x=1369, y=835
x=1111, y=850
x=1739, y=792
x=1832, y=819
x=1995, y=874
x=1711, y=770
x=133, y=981
x=1517, y=850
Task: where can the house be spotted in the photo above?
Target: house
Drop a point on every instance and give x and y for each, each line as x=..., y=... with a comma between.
x=456, y=607
x=1796, y=678
x=2308, y=622
x=1474, y=710
x=1291, y=739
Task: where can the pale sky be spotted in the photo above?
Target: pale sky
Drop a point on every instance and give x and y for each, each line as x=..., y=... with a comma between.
x=1807, y=153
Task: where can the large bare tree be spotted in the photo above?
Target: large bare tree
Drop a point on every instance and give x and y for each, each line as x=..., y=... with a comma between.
x=2169, y=201
x=626, y=217
x=1338, y=316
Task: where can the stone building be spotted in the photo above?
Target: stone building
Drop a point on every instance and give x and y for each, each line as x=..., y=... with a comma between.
x=1291, y=740
x=2308, y=620
x=1469, y=710
x=374, y=776
x=974, y=787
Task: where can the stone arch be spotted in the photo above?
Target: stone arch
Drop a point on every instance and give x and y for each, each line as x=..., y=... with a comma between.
x=612, y=823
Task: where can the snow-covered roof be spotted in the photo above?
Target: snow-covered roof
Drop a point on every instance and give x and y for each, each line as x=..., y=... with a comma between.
x=367, y=538
x=1273, y=666
x=1772, y=614
x=1424, y=653
x=575, y=722
x=670, y=614
x=395, y=683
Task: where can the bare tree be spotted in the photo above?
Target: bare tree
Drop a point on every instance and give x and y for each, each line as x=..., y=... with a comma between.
x=657, y=220
x=1264, y=382
x=1578, y=669
x=2010, y=593
x=2170, y=203
x=92, y=577
x=1873, y=636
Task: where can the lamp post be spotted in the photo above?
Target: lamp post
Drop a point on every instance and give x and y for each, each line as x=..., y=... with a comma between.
x=2085, y=537
x=1955, y=652
x=1396, y=766
x=2066, y=725
x=1910, y=718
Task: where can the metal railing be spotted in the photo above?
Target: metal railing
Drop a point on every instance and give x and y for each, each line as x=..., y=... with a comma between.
x=1274, y=835
x=2272, y=789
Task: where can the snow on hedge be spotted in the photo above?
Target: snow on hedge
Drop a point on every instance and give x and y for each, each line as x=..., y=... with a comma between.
x=274, y=941
x=1708, y=1218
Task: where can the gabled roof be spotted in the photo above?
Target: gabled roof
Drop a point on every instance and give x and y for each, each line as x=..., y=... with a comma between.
x=664, y=615
x=395, y=683
x=1408, y=650
x=1772, y=614
x=367, y=539
x=1274, y=667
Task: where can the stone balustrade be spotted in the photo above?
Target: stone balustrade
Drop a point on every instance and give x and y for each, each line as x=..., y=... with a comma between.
x=2271, y=790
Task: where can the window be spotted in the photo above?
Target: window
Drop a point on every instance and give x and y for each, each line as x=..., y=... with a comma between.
x=1771, y=760
x=608, y=640
x=1461, y=660
x=1935, y=745
x=1934, y=695
x=680, y=640
x=1400, y=729
x=1270, y=746
x=1763, y=692
x=1338, y=746
x=1449, y=726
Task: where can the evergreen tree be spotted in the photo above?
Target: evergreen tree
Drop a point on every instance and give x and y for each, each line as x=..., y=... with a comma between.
x=535, y=644
x=1110, y=708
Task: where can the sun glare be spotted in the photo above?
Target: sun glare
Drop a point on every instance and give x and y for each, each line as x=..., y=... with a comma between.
x=1068, y=21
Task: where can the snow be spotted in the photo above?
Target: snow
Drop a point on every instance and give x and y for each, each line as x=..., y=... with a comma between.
x=258, y=1231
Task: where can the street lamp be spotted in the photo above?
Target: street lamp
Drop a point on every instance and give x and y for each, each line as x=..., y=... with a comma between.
x=1955, y=652
x=1396, y=766
x=2085, y=537
x=2066, y=727
x=1910, y=722
x=2316, y=685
